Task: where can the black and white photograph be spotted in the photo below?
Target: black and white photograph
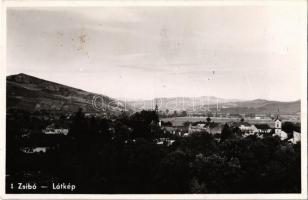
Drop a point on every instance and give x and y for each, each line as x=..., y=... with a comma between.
x=156, y=100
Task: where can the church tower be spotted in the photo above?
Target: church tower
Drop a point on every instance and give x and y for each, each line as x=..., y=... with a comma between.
x=156, y=112
x=156, y=109
x=156, y=106
x=278, y=124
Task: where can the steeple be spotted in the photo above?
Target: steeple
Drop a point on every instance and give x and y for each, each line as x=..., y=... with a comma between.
x=278, y=125
x=277, y=116
x=156, y=107
x=156, y=112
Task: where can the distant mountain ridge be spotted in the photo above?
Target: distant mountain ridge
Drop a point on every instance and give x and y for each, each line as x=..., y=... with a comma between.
x=261, y=106
x=178, y=103
x=31, y=93
x=214, y=104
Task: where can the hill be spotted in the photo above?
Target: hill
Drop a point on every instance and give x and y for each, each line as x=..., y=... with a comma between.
x=215, y=104
x=260, y=106
x=31, y=93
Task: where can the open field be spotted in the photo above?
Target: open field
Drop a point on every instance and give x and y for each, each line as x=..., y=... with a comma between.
x=178, y=121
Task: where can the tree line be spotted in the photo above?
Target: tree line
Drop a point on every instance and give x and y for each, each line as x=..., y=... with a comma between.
x=121, y=156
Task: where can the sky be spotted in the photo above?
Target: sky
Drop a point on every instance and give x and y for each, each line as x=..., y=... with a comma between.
x=240, y=52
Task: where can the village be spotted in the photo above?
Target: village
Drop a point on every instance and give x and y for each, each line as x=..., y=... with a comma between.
x=173, y=128
x=273, y=128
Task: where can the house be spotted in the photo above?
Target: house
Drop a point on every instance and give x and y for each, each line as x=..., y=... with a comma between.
x=51, y=130
x=32, y=150
x=185, y=134
x=283, y=135
x=58, y=131
x=176, y=130
x=25, y=133
x=198, y=128
x=216, y=130
x=254, y=129
x=165, y=141
x=263, y=128
x=245, y=127
x=211, y=128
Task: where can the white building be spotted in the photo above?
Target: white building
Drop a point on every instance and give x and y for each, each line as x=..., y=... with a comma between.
x=58, y=131
x=165, y=141
x=254, y=129
x=278, y=125
x=283, y=135
x=30, y=150
x=50, y=130
x=263, y=128
x=197, y=128
x=248, y=129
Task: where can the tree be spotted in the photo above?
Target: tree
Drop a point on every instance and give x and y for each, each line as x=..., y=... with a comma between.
x=217, y=174
x=167, y=111
x=186, y=124
x=209, y=114
x=184, y=113
x=226, y=133
x=297, y=127
x=196, y=143
x=143, y=122
x=78, y=126
x=174, y=173
x=168, y=123
x=288, y=127
x=122, y=132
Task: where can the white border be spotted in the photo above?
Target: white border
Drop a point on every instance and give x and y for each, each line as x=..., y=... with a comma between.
x=59, y=3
